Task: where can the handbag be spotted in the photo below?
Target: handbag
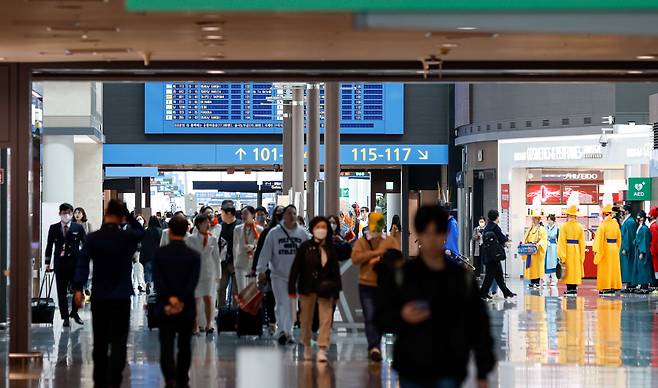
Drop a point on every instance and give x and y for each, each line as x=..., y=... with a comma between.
x=558, y=271
x=250, y=298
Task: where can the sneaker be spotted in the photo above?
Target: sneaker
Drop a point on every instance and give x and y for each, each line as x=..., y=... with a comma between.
x=290, y=341
x=375, y=355
x=308, y=353
x=487, y=298
x=510, y=296
x=77, y=319
x=322, y=355
x=282, y=340
x=210, y=331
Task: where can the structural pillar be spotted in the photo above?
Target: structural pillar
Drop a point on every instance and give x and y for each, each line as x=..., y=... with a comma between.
x=331, y=148
x=286, y=184
x=298, y=145
x=313, y=145
x=138, y=195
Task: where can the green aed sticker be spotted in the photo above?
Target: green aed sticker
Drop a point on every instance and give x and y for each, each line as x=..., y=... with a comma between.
x=639, y=189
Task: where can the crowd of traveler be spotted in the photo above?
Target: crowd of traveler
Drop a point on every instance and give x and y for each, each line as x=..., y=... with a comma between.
x=196, y=264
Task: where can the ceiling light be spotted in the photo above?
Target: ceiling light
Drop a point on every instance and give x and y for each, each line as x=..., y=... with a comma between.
x=211, y=28
x=634, y=72
x=2, y=58
x=215, y=72
x=449, y=45
x=213, y=37
x=645, y=57
x=84, y=36
x=467, y=28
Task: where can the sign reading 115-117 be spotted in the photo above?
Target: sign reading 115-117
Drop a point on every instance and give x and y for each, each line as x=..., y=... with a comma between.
x=257, y=107
x=268, y=154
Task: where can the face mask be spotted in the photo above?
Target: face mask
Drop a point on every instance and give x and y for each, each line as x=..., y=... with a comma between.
x=66, y=218
x=260, y=219
x=333, y=226
x=320, y=233
x=141, y=221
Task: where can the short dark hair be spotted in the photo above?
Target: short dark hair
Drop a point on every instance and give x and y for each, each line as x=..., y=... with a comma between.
x=84, y=213
x=431, y=214
x=65, y=207
x=116, y=207
x=291, y=206
x=261, y=209
x=316, y=220
x=250, y=209
x=551, y=217
x=178, y=226
x=153, y=222
x=493, y=215
x=182, y=213
x=200, y=219
x=206, y=207
x=482, y=218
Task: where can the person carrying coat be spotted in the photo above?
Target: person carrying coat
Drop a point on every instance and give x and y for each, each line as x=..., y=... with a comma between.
x=315, y=276
x=606, y=251
x=643, y=274
x=627, y=253
x=571, y=247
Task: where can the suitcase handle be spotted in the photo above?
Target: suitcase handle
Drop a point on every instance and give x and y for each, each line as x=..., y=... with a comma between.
x=49, y=287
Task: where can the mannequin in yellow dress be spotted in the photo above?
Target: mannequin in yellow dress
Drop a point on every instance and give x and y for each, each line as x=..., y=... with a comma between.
x=571, y=247
x=534, y=264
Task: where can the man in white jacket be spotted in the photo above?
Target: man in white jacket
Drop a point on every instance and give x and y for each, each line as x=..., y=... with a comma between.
x=278, y=255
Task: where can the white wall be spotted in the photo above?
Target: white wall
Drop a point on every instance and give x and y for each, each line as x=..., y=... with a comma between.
x=89, y=181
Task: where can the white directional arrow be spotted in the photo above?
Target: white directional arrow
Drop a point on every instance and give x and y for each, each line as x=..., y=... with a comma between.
x=241, y=153
x=424, y=155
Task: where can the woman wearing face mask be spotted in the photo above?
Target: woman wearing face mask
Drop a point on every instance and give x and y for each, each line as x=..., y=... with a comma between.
x=315, y=276
x=477, y=243
x=80, y=217
x=245, y=239
x=208, y=247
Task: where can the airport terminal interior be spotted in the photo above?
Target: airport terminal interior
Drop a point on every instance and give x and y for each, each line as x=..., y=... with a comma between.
x=166, y=167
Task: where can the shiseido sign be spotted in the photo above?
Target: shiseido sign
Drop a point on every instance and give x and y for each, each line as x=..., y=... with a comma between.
x=539, y=175
x=560, y=153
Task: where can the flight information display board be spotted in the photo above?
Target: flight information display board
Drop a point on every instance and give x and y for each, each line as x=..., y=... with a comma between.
x=257, y=107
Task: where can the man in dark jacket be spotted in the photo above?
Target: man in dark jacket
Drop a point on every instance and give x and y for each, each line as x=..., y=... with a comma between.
x=493, y=268
x=112, y=249
x=66, y=237
x=176, y=270
x=441, y=318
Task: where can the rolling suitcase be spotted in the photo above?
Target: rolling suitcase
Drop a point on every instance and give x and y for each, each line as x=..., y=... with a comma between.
x=43, y=309
x=152, y=318
x=227, y=315
x=248, y=324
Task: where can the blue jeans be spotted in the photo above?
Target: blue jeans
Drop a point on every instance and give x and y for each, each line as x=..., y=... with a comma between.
x=438, y=383
x=367, y=294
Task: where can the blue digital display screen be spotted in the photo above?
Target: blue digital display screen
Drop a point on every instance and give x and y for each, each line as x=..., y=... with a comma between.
x=257, y=107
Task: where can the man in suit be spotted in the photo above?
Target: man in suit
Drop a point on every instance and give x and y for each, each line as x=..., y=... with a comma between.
x=112, y=249
x=66, y=237
x=176, y=270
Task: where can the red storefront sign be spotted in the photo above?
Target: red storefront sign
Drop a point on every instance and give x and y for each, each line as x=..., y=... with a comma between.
x=550, y=194
x=588, y=194
x=504, y=195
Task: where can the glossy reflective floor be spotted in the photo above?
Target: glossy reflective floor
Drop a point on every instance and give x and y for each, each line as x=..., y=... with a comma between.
x=542, y=340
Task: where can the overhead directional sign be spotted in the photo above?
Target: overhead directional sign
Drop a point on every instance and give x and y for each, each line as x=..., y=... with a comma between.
x=389, y=5
x=267, y=154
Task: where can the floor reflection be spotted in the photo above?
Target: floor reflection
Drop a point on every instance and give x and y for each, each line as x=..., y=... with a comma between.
x=542, y=340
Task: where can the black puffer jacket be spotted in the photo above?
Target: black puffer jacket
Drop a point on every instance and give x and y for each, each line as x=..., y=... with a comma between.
x=307, y=270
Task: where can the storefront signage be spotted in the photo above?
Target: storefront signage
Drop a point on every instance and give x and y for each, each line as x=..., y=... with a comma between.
x=560, y=153
x=557, y=194
x=639, y=189
x=504, y=196
x=539, y=175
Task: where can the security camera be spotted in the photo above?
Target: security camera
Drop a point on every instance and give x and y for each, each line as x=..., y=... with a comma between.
x=603, y=140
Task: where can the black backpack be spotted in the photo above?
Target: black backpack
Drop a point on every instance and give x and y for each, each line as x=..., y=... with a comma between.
x=493, y=249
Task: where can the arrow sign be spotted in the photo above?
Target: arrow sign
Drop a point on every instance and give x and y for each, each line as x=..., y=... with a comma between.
x=424, y=155
x=241, y=153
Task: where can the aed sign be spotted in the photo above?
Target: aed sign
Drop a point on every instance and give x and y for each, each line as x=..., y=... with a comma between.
x=639, y=189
